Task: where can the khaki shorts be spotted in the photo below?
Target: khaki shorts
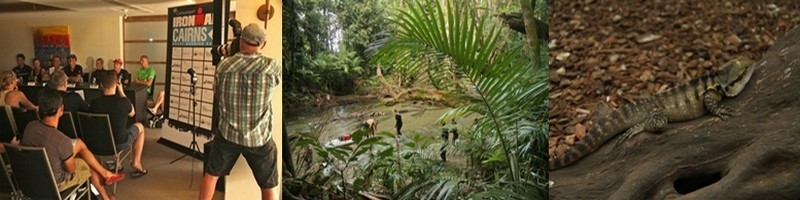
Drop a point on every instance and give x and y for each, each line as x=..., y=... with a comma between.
x=82, y=173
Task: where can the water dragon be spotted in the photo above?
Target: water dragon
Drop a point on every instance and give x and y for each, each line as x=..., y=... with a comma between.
x=682, y=103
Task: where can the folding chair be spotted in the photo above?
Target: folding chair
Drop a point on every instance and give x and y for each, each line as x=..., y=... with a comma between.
x=96, y=132
x=8, y=128
x=34, y=175
x=22, y=117
x=67, y=125
x=8, y=185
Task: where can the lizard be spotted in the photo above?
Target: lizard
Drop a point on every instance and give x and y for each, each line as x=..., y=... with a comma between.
x=685, y=102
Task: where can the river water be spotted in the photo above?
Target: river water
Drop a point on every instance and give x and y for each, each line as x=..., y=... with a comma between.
x=335, y=121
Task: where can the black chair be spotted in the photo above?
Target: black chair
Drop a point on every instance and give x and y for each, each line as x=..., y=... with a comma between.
x=35, y=177
x=8, y=185
x=22, y=117
x=8, y=128
x=67, y=125
x=96, y=132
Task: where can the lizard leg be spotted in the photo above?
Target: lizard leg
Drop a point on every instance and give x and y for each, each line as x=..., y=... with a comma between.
x=711, y=101
x=655, y=123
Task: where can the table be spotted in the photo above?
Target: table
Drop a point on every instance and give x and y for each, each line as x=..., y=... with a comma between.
x=136, y=93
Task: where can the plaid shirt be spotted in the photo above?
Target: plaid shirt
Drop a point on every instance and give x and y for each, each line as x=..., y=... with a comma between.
x=244, y=86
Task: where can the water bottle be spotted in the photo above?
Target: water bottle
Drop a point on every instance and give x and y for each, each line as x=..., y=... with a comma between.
x=94, y=80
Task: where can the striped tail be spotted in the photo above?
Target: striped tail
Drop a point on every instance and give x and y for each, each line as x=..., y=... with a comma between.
x=606, y=124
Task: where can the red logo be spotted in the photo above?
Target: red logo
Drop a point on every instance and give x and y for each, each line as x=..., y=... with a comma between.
x=199, y=18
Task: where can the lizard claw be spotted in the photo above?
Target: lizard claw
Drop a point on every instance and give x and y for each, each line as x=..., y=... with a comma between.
x=621, y=140
x=724, y=112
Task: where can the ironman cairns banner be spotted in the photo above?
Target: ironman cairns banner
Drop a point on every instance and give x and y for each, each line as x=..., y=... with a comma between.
x=192, y=25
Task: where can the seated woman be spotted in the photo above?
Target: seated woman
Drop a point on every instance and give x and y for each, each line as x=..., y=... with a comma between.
x=10, y=95
x=39, y=74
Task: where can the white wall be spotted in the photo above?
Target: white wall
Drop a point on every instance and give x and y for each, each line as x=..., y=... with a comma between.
x=90, y=36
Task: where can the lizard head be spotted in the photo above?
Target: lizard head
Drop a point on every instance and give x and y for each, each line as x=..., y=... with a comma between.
x=735, y=75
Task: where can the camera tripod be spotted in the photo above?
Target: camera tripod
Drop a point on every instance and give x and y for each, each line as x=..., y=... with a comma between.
x=194, y=147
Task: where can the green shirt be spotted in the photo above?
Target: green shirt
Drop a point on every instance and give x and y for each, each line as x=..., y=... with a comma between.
x=244, y=86
x=144, y=74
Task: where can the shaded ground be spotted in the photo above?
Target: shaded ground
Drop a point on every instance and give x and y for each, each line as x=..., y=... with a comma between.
x=617, y=51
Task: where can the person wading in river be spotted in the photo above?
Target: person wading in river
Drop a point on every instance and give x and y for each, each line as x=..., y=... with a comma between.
x=398, y=122
x=445, y=135
x=370, y=125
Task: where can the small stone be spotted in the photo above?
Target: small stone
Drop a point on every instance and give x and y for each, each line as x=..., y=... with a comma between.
x=733, y=40
x=647, y=38
x=564, y=82
x=646, y=76
x=563, y=56
x=613, y=58
x=561, y=71
x=616, y=18
x=569, y=140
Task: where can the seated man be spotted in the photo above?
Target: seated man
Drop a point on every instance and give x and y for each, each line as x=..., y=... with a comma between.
x=73, y=102
x=94, y=77
x=22, y=70
x=146, y=76
x=61, y=150
x=119, y=109
x=73, y=70
x=122, y=75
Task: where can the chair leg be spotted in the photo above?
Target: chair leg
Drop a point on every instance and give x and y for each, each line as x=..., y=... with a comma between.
x=116, y=170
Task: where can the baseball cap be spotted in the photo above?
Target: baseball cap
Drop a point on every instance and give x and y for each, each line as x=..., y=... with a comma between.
x=117, y=61
x=253, y=35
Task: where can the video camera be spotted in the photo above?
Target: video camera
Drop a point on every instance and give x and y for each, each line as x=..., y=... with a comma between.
x=229, y=49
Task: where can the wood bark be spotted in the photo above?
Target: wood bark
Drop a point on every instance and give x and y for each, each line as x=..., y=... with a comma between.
x=530, y=27
x=753, y=155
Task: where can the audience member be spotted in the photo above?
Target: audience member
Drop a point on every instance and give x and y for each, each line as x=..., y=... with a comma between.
x=22, y=70
x=73, y=71
x=10, y=95
x=39, y=74
x=119, y=109
x=94, y=77
x=73, y=102
x=245, y=117
x=61, y=150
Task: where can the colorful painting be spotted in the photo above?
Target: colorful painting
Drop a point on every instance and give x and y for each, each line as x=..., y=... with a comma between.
x=51, y=41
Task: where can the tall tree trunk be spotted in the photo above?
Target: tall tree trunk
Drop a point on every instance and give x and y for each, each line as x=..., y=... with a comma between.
x=530, y=30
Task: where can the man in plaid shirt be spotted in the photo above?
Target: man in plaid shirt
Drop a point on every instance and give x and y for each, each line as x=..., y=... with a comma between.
x=244, y=83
